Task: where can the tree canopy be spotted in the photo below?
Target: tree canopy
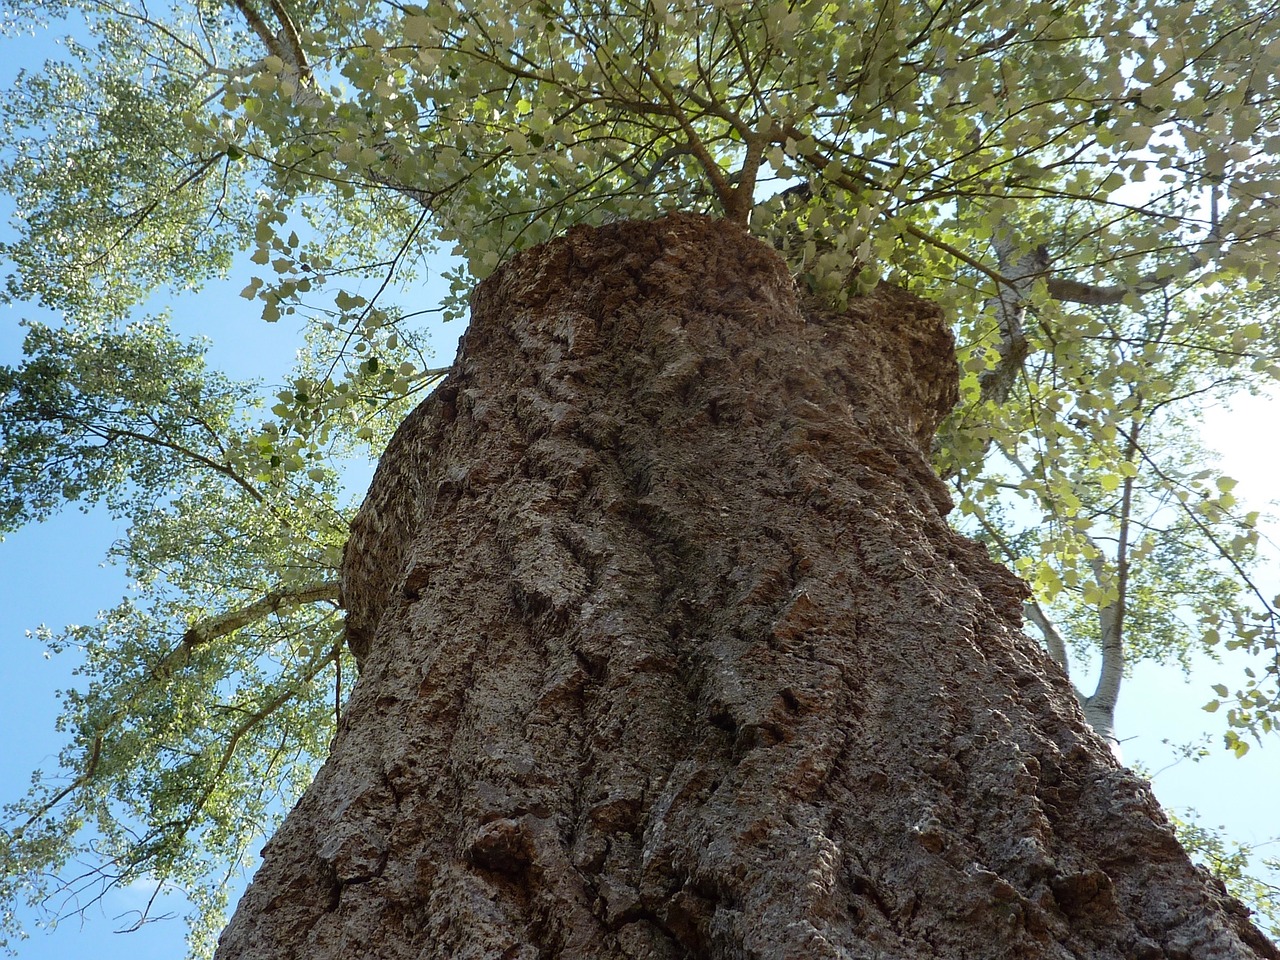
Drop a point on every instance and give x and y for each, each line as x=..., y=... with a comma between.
x=1088, y=189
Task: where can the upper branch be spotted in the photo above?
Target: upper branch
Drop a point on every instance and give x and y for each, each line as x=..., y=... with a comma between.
x=220, y=626
x=289, y=49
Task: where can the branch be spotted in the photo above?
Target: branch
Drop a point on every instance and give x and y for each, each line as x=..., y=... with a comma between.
x=1100, y=707
x=290, y=691
x=259, y=26
x=730, y=199
x=1095, y=295
x=176, y=659
x=146, y=20
x=1100, y=295
x=290, y=30
x=289, y=50
x=139, y=218
x=1209, y=535
x=959, y=254
x=108, y=434
x=226, y=623
x=90, y=769
x=1032, y=610
x=643, y=181
x=1059, y=288
x=1052, y=638
x=1009, y=304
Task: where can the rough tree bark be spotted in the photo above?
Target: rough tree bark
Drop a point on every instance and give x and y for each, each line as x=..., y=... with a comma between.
x=667, y=651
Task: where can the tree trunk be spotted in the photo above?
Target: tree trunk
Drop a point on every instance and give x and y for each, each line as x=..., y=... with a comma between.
x=667, y=651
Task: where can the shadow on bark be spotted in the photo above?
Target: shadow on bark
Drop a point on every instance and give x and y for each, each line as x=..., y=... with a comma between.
x=668, y=651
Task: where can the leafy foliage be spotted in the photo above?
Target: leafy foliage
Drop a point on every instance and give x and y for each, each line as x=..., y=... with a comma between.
x=1101, y=498
x=1088, y=188
x=181, y=747
x=89, y=415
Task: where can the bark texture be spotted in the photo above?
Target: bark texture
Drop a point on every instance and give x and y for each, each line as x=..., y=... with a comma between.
x=668, y=652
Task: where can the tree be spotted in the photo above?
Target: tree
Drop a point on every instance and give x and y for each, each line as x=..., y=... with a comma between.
x=667, y=651
x=1085, y=190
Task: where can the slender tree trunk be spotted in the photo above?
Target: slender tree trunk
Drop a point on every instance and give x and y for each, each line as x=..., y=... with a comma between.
x=668, y=652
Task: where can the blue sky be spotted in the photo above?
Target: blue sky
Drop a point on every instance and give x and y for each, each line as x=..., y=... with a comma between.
x=51, y=573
